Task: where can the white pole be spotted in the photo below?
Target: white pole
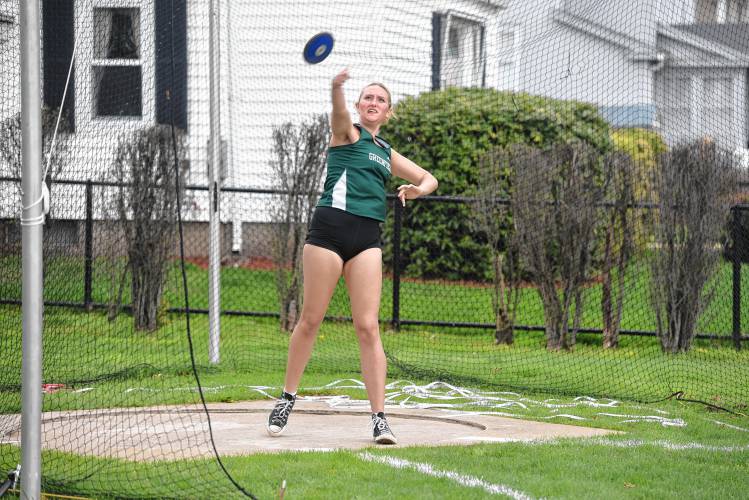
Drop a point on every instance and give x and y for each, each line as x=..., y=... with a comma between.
x=214, y=189
x=32, y=219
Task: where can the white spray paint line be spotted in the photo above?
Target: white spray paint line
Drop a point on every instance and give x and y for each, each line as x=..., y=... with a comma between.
x=564, y=415
x=636, y=443
x=461, y=479
x=666, y=422
x=405, y=394
x=730, y=426
x=667, y=445
x=487, y=439
x=451, y=414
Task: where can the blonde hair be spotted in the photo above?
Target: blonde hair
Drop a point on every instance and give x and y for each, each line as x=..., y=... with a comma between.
x=387, y=91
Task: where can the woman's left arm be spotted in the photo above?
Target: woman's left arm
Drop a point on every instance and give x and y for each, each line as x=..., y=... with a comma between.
x=421, y=182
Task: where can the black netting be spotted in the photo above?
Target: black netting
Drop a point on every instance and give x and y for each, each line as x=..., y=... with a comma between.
x=588, y=237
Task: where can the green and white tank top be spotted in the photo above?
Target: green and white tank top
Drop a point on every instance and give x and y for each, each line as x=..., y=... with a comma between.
x=356, y=178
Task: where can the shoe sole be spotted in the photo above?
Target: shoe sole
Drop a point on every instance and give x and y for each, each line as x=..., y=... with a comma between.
x=274, y=434
x=386, y=440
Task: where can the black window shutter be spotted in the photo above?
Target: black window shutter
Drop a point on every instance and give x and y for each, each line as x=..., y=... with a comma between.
x=57, y=51
x=436, y=50
x=171, y=62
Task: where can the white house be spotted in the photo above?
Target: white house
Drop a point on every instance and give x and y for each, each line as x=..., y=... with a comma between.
x=679, y=67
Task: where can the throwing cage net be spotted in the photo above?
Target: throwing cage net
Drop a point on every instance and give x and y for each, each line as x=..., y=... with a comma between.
x=587, y=238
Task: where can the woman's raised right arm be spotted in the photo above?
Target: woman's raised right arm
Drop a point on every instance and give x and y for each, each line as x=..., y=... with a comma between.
x=340, y=119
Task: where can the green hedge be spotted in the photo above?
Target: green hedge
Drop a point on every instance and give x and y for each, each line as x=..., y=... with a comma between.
x=644, y=146
x=446, y=132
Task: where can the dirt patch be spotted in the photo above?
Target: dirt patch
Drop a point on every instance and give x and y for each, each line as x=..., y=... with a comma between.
x=173, y=432
x=253, y=263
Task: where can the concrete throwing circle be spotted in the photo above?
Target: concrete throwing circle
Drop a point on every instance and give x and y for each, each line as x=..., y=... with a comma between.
x=175, y=432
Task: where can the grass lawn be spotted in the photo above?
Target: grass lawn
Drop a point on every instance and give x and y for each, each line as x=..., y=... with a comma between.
x=108, y=365
x=706, y=457
x=253, y=290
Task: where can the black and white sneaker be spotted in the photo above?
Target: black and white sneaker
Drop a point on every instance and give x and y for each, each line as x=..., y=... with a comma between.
x=381, y=430
x=280, y=414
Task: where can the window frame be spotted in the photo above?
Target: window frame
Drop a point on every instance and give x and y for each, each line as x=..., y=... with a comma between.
x=512, y=59
x=479, y=70
x=721, y=11
x=99, y=63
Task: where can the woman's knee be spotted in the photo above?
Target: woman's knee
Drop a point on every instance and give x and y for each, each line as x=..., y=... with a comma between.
x=368, y=331
x=308, y=325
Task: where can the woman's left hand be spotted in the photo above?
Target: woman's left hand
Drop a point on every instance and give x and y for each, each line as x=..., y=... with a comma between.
x=408, y=192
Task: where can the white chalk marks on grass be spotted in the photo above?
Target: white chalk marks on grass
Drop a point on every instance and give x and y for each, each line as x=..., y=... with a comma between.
x=637, y=443
x=723, y=424
x=456, y=477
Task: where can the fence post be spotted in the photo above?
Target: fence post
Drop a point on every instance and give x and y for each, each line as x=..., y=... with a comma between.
x=88, y=250
x=398, y=221
x=736, y=257
x=32, y=249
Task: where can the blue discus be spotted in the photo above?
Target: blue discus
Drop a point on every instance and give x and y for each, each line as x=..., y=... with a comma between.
x=318, y=47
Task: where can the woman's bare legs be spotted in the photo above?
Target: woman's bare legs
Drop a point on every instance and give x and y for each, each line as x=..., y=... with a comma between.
x=363, y=276
x=322, y=268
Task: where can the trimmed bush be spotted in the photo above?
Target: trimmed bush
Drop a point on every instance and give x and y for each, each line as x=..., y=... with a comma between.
x=644, y=146
x=447, y=132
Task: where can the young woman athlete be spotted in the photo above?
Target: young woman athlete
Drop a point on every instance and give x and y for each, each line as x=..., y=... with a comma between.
x=344, y=239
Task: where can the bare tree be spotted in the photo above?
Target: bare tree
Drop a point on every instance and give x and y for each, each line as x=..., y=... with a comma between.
x=556, y=193
x=298, y=164
x=694, y=183
x=492, y=217
x=619, y=245
x=146, y=203
x=10, y=142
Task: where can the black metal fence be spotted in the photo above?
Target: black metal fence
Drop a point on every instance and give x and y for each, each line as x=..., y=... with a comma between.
x=399, y=299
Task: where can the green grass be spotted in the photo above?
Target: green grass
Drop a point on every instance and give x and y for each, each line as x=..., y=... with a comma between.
x=254, y=290
x=116, y=367
x=589, y=468
x=84, y=349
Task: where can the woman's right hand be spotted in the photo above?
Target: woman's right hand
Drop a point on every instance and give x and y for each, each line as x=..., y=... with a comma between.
x=340, y=78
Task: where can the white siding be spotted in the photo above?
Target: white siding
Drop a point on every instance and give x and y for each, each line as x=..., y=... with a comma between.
x=96, y=137
x=702, y=102
x=265, y=82
x=565, y=62
x=638, y=19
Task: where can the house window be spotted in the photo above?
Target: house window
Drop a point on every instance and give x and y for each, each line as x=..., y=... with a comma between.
x=6, y=28
x=736, y=11
x=675, y=113
x=717, y=110
x=508, y=56
x=721, y=11
x=699, y=104
x=117, y=71
x=459, y=50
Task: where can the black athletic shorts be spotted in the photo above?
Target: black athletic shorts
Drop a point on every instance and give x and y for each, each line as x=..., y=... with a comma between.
x=346, y=234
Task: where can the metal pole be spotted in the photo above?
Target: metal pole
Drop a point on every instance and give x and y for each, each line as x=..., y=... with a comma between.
x=32, y=218
x=214, y=177
x=88, y=248
x=398, y=222
x=738, y=248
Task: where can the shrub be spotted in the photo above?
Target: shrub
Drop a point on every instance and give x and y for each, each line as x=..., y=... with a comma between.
x=556, y=197
x=695, y=184
x=644, y=147
x=10, y=142
x=298, y=163
x=447, y=132
x=146, y=204
x=491, y=217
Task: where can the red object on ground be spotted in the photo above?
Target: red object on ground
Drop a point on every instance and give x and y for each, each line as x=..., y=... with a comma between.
x=50, y=388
